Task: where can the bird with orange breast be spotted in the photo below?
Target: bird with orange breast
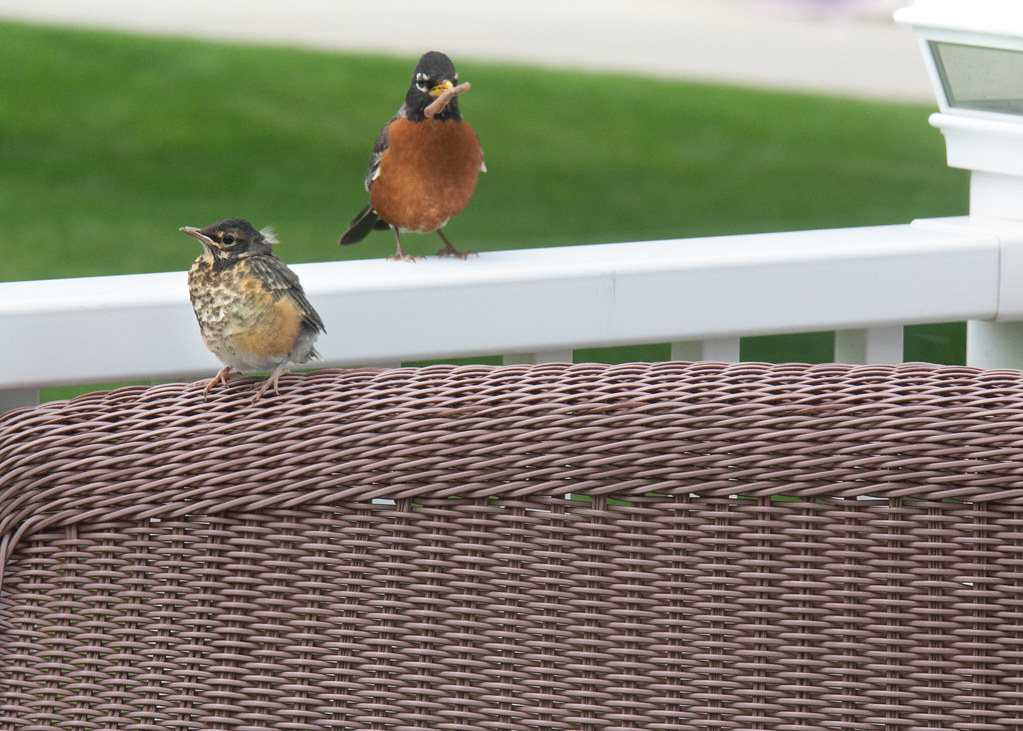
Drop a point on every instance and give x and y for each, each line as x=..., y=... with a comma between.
x=425, y=163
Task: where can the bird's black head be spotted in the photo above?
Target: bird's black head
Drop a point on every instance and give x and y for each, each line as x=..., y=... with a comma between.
x=231, y=239
x=433, y=75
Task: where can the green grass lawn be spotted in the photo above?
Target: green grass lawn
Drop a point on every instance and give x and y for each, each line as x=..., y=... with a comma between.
x=109, y=143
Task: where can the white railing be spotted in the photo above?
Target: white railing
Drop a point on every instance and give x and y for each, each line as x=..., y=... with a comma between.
x=538, y=305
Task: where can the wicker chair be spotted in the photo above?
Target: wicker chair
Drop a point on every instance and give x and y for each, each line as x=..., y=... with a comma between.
x=644, y=546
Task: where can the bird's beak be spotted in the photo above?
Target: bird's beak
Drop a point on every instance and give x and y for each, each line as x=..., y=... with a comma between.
x=205, y=240
x=441, y=88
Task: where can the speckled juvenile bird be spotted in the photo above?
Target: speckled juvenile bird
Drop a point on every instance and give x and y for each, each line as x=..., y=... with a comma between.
x=425, y=163
x=252, y=312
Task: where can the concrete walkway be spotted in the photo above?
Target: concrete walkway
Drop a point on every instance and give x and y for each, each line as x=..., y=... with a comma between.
x=847, y=47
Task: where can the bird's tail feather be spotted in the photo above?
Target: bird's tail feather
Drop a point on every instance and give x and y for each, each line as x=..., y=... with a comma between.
x=366, y=220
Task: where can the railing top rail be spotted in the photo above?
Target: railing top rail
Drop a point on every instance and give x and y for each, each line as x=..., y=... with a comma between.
x=101, y=329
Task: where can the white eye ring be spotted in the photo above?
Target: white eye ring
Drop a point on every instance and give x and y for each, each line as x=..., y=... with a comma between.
x=421, y=80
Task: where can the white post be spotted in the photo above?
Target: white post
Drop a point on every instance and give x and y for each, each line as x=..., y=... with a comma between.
x=998, y=344
x=973, y=53
x=996, y=195
x=17, y=398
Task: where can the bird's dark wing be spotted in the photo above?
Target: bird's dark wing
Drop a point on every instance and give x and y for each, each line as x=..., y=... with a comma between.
x=367, y=219
x=282, y=282
x=379, y=147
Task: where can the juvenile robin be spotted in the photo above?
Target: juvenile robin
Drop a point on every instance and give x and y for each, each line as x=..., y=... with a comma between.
x=425, y=162
x=252, y=312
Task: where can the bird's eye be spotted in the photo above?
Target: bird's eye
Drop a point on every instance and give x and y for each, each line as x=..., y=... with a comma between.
x=227, y=240
x=422, y=82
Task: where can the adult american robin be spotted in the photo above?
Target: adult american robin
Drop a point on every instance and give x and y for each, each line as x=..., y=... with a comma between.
x=425, y=162
x=252, y=312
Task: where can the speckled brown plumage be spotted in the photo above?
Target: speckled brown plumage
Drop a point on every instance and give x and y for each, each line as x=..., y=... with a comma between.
x=252, y=312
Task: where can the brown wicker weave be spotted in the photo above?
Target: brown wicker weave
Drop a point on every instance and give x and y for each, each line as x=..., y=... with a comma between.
x=585, y=547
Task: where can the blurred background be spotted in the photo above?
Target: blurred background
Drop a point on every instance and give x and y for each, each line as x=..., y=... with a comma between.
x=601, y=121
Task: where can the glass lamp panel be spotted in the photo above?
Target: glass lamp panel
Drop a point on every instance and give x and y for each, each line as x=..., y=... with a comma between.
x=980, y=78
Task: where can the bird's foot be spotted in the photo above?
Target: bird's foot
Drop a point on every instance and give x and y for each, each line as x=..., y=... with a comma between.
x=222, y=376
x=400, y=255
x=270, y=382
x=453, y=252
x=450, y=250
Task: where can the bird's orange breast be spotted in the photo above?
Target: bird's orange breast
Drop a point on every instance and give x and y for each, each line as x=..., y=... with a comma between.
x=428, y=173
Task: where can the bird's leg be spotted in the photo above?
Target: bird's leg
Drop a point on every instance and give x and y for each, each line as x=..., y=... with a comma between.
x=271, y=381
x=450, y=250
x=222, y=376
x=399, y=254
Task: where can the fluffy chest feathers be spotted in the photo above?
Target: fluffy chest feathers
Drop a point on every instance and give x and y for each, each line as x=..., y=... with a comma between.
x=245, y=321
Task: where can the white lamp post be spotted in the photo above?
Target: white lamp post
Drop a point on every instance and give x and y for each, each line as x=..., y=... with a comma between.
x=973, y=50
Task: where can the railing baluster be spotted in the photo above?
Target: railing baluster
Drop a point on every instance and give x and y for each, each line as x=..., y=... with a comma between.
x=725, y=350
x=690, y=350
x=541, y=356
x=870, y=345
x=994, y=344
